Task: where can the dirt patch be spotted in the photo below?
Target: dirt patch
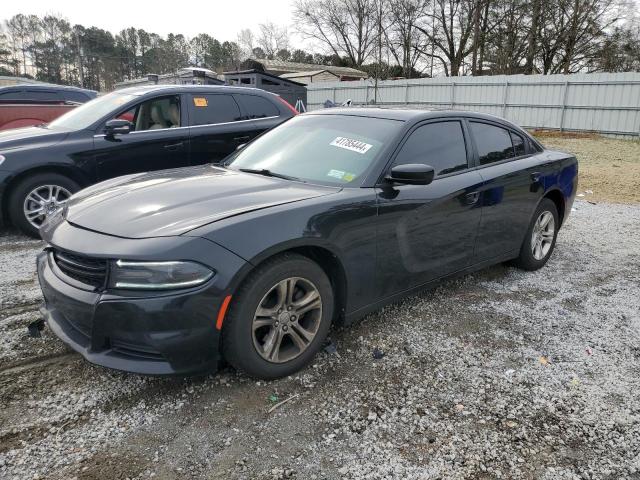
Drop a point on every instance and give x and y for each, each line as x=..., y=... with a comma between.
x=609, y=168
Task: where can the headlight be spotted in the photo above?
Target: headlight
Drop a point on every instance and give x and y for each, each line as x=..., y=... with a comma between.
x=157, y=275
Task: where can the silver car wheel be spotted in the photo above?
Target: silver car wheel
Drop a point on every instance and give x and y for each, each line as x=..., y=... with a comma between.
x=287, y=320
x=43, y=201
x=542, y=235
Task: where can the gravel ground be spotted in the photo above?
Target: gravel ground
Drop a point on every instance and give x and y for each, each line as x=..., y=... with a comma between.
x=500, y=374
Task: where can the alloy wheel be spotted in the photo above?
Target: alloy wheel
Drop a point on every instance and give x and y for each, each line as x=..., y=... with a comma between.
x=287, y=320
x=542, y=235
x=43, y=201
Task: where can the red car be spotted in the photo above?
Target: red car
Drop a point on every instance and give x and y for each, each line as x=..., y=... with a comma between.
x=27, y=105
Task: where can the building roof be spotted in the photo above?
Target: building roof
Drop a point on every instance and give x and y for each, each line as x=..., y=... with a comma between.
x=310, y=73
x=291, y=67
x=266, y=74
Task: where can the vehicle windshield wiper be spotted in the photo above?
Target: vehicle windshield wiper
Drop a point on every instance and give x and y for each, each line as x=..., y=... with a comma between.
x=268, y=173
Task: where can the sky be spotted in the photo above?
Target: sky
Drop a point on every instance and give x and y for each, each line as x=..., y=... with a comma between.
x=222, y=19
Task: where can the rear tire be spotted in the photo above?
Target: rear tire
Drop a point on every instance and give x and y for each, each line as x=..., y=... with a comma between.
x=279, y=318
x=47, y=191
x=540, y=240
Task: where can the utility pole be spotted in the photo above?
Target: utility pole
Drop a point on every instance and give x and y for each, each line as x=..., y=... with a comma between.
x=433, y=33
x=80, y=60
x=379, y=66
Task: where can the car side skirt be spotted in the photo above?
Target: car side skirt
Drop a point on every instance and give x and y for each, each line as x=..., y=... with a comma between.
x=356, y=315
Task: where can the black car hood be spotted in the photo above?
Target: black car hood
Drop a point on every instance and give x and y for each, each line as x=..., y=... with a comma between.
x=30, y=136
x=173, y=202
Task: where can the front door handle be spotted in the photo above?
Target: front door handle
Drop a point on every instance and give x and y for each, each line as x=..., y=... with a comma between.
x=174, y=146
x=242, y=139
x=471, y=198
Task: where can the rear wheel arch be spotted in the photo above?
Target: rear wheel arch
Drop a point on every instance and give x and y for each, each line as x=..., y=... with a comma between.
x=558, y=199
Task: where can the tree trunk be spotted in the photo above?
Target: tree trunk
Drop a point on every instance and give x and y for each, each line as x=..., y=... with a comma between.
x=533, y=37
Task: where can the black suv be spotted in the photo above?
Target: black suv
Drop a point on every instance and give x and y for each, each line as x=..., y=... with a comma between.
x=128, y=131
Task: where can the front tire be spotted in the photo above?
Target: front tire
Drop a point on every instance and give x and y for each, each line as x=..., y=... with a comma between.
x=36, y=197
x=279, y=318
x=540, y=240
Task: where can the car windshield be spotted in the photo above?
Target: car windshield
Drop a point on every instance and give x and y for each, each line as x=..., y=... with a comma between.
x=86, y=115
x=325, y=149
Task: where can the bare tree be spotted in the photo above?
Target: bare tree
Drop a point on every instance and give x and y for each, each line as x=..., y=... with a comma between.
x=404, y=40
x=273, y=38
x=507, y=40
x=449, y=26
x=346, y=28
x=246, y=41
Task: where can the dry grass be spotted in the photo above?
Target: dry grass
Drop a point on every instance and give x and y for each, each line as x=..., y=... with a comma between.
x=543, y=134
x=610, y=168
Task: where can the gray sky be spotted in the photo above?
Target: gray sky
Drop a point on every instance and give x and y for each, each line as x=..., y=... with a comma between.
x=222, y=19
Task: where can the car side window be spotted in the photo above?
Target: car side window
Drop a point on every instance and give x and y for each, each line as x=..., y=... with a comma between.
x=257, y=107
x=11, y=95
x=518, y=144
x=439, y=145
x=212, y=109
x=78, y=97
x=493, y=143
x=154, y=114
x=42, y=96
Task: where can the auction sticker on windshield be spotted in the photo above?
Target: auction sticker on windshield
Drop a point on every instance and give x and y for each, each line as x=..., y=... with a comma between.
x=351, y=144
x=340, y=175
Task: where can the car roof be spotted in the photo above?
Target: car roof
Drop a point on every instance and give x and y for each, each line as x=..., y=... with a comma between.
x=146, y=89
x=408, y=115
x=43, y=86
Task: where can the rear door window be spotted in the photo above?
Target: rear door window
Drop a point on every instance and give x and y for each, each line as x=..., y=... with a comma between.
x=257, y=107
x=439, y=145
x=518, y=144
x=210, y=109
x=493, y=143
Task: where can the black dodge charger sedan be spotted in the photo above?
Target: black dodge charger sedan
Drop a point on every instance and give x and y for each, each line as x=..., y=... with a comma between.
x=132, y=130
x=322, y=219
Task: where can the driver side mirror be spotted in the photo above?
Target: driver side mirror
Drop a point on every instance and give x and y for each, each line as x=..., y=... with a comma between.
x=411, y=174
x=117, y=127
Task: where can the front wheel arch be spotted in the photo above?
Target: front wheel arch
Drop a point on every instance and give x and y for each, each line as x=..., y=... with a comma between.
x=325, y=257
x=65, y=170
x=237, y=346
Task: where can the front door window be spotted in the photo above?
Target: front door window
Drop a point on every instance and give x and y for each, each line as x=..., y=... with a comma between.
x=154, y=114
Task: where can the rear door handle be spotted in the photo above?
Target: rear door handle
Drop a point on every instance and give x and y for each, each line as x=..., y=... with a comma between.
x=242, y=139
x=471, y=198
x=536, y=177
x=174, y=146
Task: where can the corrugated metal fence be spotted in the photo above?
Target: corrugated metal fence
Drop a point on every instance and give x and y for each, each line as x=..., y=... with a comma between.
x=606, y=103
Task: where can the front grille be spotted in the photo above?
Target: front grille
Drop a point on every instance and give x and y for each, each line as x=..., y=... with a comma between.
x=87, y=270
